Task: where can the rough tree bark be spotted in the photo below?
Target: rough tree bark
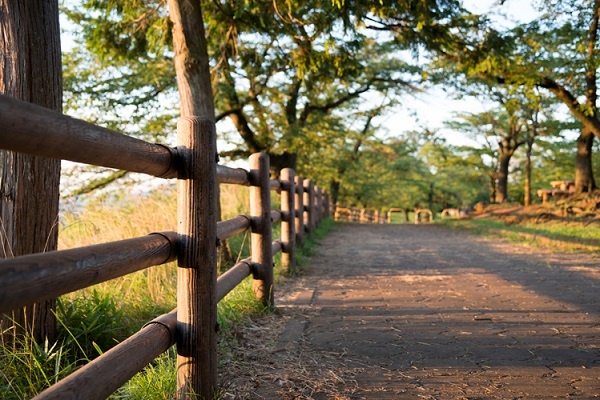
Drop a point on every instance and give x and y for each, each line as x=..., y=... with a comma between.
x=584, y=174
x=502, y=178
x=30, y=70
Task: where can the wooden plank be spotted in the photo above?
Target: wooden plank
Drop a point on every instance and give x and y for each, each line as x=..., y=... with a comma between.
x=101, y=377
x=275, y=216
x=275, y=184
x=197, y=259
x=288, y=224
x=260, y=210
x=35, y=130
x=234, y=275
x=233, y=226
x=237, y=176
x=276, y=247
x=31, y=278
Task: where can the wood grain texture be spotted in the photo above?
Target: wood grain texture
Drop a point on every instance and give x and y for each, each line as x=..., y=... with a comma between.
x=261, y=237
x=191, y=59
x=30, y=70
x=233, y=226
x=288, y=224
x=197, y=259
x=234, y=275
x=33, y=278
x=236, y=176
x=34, y=130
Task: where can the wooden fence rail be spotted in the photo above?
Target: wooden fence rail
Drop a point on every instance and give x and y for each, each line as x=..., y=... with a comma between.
x=23, y=280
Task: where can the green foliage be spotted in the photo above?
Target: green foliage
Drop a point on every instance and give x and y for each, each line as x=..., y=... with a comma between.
x=158, y=380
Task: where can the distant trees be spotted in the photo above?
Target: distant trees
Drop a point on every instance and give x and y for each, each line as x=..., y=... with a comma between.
x=557, y=52
x=289, y=77
x=299, y=80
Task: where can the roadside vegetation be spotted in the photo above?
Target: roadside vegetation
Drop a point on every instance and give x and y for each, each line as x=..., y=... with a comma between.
x=94, y=319
x=546, y=226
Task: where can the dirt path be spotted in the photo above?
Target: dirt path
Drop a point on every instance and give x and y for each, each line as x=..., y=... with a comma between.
x=421, y=311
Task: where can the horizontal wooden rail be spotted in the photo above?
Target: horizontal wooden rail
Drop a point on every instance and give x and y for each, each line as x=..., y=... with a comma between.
x=234, y=275
x=275, y=215
x=28, y=279
x=233, y=226
x=35, y=130
x=235, y=176
x=276, y=247
x=275, y=184
x=101, y=377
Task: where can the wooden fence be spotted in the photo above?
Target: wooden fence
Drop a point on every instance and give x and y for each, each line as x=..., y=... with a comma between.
x=354, y=214
x=192, y=325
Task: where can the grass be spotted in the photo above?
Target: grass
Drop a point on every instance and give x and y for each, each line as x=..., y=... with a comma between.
x=93, y=320
x=564, y=236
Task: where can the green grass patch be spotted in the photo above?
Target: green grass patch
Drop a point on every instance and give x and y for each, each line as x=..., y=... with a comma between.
x=564, y=236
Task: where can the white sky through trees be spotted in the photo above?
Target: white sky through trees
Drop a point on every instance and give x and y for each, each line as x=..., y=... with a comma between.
x=431, y=109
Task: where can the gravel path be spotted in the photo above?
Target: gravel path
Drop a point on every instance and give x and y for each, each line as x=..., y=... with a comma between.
x=422, y=311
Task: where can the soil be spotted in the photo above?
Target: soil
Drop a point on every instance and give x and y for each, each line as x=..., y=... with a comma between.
x=425, y=312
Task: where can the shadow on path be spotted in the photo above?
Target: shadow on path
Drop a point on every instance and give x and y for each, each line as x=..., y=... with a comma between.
x=422, y=311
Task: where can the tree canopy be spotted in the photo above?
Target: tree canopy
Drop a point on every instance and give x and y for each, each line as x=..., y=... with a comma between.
x=309, y=83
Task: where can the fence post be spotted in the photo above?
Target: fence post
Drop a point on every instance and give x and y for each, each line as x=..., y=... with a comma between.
x=309, y=211
x=261, y=237
x=288, y=220
x=299, y=203
x=197, y=259
x=327, y=206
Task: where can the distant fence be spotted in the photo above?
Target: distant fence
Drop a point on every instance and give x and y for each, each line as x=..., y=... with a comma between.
x=363, y=216
x=32, y=278
x=354, y=214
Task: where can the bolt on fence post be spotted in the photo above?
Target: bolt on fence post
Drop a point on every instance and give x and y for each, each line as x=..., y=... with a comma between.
x=261, y=237
x=197, y=258
x=309, y=213
x=288, y=220
x=299, y=203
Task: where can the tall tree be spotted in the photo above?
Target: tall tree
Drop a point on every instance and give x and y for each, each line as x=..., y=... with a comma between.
x=30, y=70
x=557, y=52
x=500, y=132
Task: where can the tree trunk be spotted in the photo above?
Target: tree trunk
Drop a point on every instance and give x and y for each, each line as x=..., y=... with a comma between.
x=584, y=175
x=334, y=187
x=502, y=178
x=30, y=70
x=493, y=191
x=527, y=189
x=281, y=161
